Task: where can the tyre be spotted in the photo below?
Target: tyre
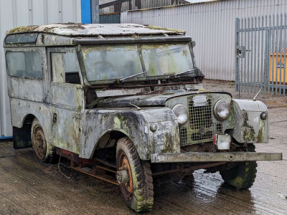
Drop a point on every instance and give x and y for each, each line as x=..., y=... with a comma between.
x=137, y=187
x=243, y=175
x=43, y=150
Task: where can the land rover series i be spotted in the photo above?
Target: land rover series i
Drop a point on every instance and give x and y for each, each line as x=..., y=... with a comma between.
x=125, y=103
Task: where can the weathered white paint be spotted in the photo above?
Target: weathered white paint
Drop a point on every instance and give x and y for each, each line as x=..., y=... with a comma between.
x=211, y=25
x=14, y=13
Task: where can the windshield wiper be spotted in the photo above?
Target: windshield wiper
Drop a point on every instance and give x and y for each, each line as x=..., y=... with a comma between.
x=132, y=76
x=183, y=73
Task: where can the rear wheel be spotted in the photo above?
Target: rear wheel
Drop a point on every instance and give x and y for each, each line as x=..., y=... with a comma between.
x=243, y=175
x=134, y=177
x=43, y=150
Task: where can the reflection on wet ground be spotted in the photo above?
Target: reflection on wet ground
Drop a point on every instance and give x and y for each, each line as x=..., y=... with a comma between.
x=24, y=182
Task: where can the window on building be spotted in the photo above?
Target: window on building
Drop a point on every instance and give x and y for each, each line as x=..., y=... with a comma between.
x=26, y=64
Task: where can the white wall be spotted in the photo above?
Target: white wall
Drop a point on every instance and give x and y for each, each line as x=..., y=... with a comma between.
x=212, y=26
x=14, y=13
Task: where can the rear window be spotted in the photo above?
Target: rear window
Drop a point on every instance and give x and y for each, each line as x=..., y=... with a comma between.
x=25, y=64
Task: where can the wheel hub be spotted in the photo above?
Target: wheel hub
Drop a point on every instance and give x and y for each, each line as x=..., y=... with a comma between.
x=39, y=143
x=124, y=176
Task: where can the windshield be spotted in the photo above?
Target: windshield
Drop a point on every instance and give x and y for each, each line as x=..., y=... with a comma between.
x=120, y=61
x=166, y=59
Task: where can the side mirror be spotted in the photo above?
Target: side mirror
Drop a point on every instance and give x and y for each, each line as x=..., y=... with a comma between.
x=193, y=44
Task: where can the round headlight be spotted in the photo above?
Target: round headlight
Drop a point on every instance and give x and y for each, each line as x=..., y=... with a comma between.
x=222, y=110
x=181, y=113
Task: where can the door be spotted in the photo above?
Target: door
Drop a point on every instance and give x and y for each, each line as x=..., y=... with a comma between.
x=66, y=98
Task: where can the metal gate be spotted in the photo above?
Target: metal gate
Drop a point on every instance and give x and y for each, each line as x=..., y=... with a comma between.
x=261, y=51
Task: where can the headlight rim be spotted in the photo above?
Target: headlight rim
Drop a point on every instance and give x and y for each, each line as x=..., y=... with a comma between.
x=187, y=113
x=217, y=116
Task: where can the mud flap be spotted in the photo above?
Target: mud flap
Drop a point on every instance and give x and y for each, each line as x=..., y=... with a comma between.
x=22, y=137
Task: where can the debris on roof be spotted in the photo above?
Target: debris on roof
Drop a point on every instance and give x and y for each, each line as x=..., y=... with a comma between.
x=79, y=29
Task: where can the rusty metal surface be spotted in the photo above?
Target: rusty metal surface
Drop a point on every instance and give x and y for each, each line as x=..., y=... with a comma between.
x=214, y=157
x=101, y=177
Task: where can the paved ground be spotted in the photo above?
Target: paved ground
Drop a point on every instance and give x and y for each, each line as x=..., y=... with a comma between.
x=27, y=187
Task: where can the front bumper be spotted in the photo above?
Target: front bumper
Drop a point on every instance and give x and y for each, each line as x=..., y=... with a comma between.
x=214, y=157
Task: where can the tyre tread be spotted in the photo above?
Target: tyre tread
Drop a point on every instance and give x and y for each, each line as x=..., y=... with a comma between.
x=144, y=192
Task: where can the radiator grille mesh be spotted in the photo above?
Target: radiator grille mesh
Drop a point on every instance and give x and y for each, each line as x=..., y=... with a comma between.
x=200, y=128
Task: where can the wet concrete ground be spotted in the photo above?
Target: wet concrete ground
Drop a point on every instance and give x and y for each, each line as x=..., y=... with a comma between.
x=28, y=187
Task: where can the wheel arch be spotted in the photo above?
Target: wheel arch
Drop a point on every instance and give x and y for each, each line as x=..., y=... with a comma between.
x=22, y=134
x=22, y=131
x=111, y=136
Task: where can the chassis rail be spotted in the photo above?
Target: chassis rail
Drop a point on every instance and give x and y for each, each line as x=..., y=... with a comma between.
x=214, y=157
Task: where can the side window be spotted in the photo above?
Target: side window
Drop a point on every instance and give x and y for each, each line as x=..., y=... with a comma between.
x=25, y=64
x=65, y=68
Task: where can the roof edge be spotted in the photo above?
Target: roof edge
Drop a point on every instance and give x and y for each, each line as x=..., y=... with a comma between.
x=79, y=29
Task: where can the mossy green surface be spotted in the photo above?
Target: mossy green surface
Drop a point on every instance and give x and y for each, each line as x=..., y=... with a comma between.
x=23, y=29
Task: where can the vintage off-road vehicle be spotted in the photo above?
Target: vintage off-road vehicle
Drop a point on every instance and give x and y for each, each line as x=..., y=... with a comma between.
x=126, y=100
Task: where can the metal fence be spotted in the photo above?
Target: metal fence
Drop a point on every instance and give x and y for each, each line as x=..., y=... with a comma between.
x=261, y=54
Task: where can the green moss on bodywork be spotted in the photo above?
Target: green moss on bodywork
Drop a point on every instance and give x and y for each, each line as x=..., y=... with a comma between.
x=245, y=119
x=169, y=143
x=249, y=135
x=260, y=135
x=248, y=131
x=231, y=119
x=22, y=29
x=168, y=148
x=164, y=29
x=117, y=122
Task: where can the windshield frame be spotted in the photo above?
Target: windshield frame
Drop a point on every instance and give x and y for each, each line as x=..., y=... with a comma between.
x=140, y=79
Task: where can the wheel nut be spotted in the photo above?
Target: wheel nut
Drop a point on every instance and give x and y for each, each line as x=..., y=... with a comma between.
x=122, y=176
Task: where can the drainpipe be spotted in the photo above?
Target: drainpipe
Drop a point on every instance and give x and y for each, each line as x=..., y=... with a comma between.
x=90, y=11
x=95, y=11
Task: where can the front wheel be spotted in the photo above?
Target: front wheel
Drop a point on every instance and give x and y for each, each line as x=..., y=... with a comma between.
x=134, y=177
x=243, y=175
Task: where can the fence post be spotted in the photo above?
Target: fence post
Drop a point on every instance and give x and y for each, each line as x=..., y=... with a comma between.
x=237, y=81
x=267, y=62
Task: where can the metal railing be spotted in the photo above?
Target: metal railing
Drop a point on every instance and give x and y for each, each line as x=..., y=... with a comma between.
x=261, y=50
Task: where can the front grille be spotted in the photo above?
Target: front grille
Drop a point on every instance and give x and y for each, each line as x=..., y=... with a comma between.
x=200, y=116
x=200, y=128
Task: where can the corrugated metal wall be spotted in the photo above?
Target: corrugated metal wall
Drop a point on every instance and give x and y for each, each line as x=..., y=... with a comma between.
x=14, y=13
x=110, y=18
x=212, y=26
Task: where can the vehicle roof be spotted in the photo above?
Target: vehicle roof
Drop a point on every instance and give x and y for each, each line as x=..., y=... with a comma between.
x=78, y=29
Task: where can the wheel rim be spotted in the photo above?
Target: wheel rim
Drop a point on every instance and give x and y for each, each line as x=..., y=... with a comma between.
x=39, y=143
x=127, y=188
